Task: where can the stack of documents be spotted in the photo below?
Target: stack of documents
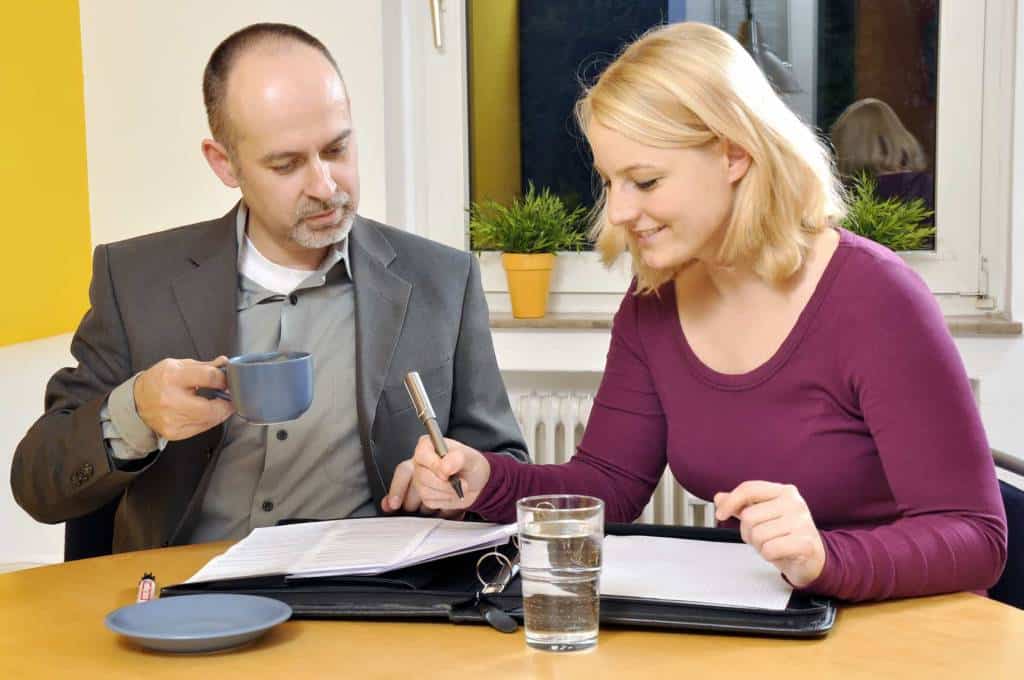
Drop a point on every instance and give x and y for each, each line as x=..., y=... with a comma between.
x=349, y=547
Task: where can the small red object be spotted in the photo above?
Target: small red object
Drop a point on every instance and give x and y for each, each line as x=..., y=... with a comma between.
x=147, y=588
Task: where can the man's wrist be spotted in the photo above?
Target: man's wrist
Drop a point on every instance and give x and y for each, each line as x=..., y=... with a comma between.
x=126, y=419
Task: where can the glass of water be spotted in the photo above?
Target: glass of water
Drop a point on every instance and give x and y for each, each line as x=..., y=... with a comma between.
x=560, y=563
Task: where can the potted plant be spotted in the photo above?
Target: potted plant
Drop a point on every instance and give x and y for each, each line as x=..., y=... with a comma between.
x=529, y=233
x=896, y=224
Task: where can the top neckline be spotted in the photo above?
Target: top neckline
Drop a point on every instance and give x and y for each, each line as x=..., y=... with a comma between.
x=760, y=374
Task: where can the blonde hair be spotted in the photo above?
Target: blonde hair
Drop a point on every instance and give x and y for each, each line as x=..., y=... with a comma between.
x=690, y=84
x=870, y=136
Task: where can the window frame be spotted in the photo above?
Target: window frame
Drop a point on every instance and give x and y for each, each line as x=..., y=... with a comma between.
x=968, y=271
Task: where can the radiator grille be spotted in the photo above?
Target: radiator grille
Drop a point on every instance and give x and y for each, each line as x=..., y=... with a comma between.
x=553, y=423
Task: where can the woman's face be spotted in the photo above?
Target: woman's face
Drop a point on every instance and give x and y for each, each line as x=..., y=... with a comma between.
x=674, y=204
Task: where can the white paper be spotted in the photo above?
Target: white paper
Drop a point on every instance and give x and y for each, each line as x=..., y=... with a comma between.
x=266, y=551
x=683, y=570
x=364, y=546
x=368, y=545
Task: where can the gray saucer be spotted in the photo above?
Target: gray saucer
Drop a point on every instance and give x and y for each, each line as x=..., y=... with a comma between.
x=198, y=623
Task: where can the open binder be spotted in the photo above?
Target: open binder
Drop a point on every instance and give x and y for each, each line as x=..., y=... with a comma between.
x=452, y=589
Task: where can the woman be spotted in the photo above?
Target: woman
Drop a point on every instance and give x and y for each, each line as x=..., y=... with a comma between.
x=773, y=361
x=869, y=137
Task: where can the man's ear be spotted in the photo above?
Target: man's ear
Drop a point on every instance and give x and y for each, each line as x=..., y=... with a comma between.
x=220, y=162
x=739, y=161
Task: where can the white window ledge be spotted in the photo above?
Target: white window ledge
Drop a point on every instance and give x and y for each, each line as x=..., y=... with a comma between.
x=977, y=325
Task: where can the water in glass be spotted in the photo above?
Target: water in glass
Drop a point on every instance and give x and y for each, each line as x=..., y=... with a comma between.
x=561, y=563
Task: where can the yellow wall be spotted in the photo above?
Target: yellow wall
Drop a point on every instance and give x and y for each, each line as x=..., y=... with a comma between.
x=44, y=270
x=494, y=99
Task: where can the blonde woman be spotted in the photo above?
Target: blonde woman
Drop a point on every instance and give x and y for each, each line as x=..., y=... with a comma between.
x=798, y=375
x=869, y=137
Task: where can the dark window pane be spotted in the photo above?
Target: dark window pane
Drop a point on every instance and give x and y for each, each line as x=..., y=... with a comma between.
x=826, y=57
x=560, y=44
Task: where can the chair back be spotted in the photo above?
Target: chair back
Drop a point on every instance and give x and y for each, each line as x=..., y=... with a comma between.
x=90, y=535
x=1010, y=586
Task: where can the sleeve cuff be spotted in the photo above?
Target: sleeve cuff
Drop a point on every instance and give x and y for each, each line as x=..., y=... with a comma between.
x=830, y=579
x=130, y=438
x=491, y=504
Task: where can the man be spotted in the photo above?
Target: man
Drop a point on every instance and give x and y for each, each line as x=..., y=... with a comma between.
x=293, y=267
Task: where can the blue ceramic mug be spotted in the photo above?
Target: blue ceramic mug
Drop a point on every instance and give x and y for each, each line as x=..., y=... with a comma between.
x=269, y=387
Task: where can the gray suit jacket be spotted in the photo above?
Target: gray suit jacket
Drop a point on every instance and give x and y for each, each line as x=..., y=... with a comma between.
x=419, y=306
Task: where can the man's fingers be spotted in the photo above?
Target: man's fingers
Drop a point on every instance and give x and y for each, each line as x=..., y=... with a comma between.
x=203, y=375
x=412, y=501
x=399, y=487
x=218, y=410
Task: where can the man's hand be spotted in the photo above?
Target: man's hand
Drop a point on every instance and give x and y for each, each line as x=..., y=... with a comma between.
x=422, y=481
x=166, y=399
x=776, y=521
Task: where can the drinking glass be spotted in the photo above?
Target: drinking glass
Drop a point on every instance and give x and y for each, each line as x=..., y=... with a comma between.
x=560, y=566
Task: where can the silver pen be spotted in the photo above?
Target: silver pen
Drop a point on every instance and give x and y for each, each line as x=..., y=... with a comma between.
x=425, y=412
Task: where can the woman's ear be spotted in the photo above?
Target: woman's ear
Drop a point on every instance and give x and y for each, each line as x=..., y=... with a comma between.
x=739, y=161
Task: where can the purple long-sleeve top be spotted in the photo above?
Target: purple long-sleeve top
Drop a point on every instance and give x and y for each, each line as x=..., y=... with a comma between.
x=865, y=408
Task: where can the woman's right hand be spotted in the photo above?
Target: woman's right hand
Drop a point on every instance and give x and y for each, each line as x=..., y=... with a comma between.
x=427, y=477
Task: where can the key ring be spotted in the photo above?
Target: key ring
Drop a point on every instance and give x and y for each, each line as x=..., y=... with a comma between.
x=504, y=564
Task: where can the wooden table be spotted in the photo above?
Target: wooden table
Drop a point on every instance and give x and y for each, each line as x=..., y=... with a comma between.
x=51, y=626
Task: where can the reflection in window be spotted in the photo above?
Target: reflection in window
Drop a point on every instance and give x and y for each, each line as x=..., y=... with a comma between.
x=876, y=60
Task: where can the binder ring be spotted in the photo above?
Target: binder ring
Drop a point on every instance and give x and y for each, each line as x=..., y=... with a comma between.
x=503, y=561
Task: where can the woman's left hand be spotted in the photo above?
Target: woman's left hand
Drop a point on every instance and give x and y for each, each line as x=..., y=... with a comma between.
x=776, y=521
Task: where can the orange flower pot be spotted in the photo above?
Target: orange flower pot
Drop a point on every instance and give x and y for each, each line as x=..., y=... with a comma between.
x=529, y=278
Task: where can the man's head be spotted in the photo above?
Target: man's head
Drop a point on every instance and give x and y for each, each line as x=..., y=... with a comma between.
x=282, y=133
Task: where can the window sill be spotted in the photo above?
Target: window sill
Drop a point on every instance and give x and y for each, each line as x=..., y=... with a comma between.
x=974, y=325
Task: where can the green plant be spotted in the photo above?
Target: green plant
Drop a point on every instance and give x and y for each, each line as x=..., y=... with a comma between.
x=894, y=223
x=538, y=222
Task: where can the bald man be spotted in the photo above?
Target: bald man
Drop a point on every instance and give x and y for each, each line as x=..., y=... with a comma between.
x=130, y=453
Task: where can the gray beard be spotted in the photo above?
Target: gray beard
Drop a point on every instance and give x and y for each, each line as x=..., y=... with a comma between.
x=321, y=238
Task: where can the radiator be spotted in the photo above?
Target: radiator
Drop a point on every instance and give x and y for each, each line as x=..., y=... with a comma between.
x=553, y=424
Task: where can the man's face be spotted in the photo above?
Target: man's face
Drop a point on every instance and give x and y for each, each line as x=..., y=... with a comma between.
x=293, y=148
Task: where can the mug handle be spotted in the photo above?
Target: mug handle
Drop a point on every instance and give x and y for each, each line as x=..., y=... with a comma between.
x=211, y=393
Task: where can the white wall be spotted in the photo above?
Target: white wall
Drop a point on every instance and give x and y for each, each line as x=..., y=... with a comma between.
x=143, y=64
x=25, y=369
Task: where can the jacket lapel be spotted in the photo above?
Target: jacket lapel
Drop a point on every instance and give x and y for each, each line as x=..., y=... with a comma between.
x=207, y=293
x=382, y=298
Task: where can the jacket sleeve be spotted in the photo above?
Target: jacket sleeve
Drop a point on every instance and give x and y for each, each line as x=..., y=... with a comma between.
x=61, y=468
x=481, y=416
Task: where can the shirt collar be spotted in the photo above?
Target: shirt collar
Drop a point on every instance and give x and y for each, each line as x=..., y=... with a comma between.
x=337, y=253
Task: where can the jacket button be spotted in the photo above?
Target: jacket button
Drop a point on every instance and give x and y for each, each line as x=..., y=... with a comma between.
x=282, y=435
x=267, y=506
x=293, y=298
x=82, y=474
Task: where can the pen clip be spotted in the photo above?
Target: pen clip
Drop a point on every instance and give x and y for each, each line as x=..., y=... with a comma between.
x=418, y=396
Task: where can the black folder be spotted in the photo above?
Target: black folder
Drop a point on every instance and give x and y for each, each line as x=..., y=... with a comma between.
x=449, y=590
